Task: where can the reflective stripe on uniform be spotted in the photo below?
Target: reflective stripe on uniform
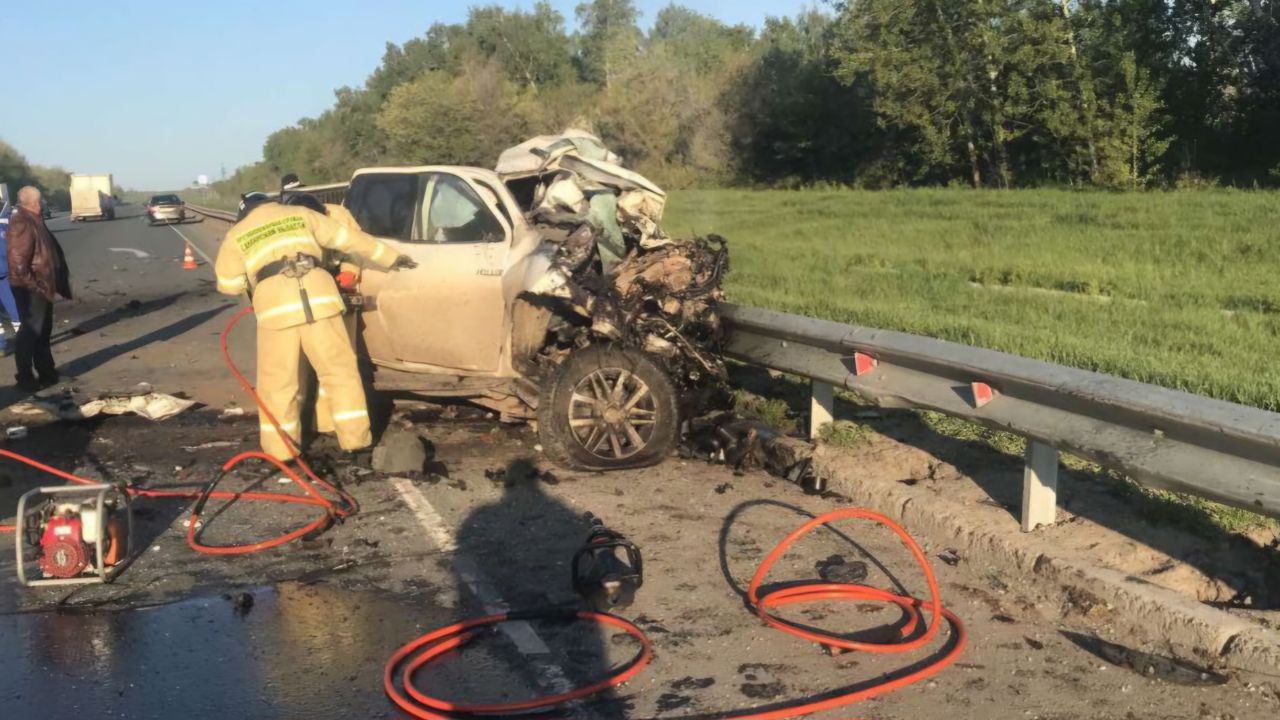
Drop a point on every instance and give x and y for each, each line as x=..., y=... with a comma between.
x=233, y=285
x=287, y=427
x=342, y=238
x=297, y=307
x=350, y=415
x=379, y=255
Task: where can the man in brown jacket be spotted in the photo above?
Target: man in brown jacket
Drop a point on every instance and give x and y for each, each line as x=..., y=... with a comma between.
x=38, y=274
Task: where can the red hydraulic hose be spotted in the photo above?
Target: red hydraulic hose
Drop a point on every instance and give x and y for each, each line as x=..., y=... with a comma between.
x=344, y=507
x=398, y=674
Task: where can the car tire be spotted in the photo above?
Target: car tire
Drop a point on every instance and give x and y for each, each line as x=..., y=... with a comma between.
x=607, y=408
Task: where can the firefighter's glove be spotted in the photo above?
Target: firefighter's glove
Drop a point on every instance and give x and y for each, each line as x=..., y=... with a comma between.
x=404, y=262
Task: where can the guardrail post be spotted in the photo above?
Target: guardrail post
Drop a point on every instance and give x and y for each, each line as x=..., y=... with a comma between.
x=821, y=406
x=1039, y=486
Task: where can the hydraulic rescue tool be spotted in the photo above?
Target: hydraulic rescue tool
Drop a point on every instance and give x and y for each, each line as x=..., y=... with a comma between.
x=82, y=533
x=607, y=569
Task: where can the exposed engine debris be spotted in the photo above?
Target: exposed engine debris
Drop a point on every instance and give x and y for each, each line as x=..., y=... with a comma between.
x=745, y=443
x=616, y=277
x=664, y=301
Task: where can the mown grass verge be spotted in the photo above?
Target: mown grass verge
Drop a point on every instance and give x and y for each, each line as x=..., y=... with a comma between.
x=1173, y=288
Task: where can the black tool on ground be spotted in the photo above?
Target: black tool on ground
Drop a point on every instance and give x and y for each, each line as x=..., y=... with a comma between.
x=607, y=569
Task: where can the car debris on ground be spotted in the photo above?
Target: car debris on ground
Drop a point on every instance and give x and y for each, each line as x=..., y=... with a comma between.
x=152, y=406
x=143, y=402
x=744, y=443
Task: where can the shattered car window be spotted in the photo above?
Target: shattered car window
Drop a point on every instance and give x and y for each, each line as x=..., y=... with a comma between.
x=458, y=215
x=383, y=204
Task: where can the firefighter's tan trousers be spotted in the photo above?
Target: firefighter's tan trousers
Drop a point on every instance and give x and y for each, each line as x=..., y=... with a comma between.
x=324, y=406
x=328, y=348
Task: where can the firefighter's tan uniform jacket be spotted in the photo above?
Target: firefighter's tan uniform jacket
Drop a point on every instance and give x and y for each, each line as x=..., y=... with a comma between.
x=299, y=311
x=342, y=215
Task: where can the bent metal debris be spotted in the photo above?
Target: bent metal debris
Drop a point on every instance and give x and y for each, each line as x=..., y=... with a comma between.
x=617, y=277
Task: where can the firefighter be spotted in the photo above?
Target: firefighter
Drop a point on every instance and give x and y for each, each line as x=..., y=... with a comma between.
x=348, y=279
x=274, y=252
x=347, y=275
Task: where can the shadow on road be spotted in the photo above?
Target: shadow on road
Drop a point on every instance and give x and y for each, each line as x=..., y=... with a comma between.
x=1146, y=664
x=520, y=548
x=132, y=309
x=9, y=394
x=85, y=363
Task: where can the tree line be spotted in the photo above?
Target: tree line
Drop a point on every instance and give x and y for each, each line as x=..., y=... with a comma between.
x=54, y=182
x=870, y=93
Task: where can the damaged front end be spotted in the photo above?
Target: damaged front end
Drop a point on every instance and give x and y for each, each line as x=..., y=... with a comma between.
x=616, y=277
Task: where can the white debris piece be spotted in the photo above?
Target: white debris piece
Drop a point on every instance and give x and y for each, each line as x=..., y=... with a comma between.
x=36, y=408
x=210, y=445
x=152, y=406
x=579, y=178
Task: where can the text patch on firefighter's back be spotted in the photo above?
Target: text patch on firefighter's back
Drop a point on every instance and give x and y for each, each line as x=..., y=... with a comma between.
x=295, y=227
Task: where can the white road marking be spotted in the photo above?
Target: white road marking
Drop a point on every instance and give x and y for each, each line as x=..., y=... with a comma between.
x=136, y=252
x=520, y=633
x=193, y=246
x=426, y=514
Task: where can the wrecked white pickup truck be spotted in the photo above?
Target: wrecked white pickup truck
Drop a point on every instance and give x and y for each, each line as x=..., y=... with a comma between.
x=545, y=290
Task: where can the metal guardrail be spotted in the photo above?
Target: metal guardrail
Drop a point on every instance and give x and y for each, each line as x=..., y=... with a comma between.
x=329, y=193
x=213, y=213
x=1161, y=438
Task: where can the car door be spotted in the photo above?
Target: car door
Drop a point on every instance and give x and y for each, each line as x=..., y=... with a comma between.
x=450, y=311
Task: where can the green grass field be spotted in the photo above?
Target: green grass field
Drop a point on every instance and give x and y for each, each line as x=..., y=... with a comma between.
x=1180, y=289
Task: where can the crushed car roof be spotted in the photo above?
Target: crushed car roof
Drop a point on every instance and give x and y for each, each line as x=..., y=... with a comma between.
x=414, y=169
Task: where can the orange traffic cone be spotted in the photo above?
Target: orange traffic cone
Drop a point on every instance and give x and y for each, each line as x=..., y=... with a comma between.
x=189, y=260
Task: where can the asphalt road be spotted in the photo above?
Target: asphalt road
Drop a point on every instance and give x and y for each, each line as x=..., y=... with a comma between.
x=176, y=634
x=137, y=315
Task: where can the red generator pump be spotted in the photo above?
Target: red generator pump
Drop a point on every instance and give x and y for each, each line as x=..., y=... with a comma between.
x=80, y=534
x=63, y=550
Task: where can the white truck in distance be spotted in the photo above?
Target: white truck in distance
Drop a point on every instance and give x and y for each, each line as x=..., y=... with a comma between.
x=91, y=197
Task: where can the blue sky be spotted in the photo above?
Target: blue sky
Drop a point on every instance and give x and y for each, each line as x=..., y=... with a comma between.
x=160, y=92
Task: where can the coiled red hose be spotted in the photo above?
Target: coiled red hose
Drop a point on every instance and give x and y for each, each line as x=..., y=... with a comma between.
x=399, y=672
x=311, y=484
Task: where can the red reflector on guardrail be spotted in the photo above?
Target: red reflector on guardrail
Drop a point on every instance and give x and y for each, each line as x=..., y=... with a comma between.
x=863, y=363
x=982, y=393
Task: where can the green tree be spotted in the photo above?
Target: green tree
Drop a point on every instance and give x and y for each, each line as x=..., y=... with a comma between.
x=55, y=183
x=531, y=47
x=698, y=43
x=936, y=66
x=14, y=170
x=464, y=120
x=1254, y=135
x=791, y=120
x=608, y=38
